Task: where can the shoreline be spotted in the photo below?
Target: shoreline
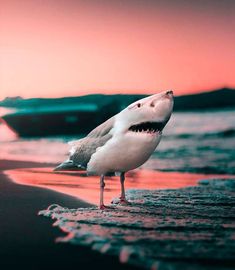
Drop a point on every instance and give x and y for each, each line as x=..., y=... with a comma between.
x=28, y=241
x=79, y=186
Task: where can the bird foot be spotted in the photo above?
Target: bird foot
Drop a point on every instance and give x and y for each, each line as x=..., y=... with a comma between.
x=124, y=202
x=121, y=201
x=104, y=207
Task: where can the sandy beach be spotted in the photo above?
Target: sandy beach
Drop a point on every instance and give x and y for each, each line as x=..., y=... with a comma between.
x=28, y=241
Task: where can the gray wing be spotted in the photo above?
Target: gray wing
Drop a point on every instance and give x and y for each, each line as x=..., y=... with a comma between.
x=83, y=149
x=102, y=129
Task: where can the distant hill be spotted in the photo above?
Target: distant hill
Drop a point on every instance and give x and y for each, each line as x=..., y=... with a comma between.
x=100, y=99
x=222, y=98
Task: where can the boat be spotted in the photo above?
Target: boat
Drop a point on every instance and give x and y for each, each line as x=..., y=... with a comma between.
x=59, y=119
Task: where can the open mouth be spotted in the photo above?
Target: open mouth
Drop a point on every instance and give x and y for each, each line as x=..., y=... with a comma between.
x=147, y=127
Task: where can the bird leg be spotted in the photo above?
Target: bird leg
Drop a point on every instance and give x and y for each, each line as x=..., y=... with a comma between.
x=102, y=185
x=122, y=198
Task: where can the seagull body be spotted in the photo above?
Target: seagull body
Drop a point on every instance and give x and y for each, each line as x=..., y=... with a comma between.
x=122, y=143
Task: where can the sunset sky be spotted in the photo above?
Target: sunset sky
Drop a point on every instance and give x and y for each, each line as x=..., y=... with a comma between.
x=59, y=48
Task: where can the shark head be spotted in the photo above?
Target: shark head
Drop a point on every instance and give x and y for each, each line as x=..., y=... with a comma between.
x=147, y=116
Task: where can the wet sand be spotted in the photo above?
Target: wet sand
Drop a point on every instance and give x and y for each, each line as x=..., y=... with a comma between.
x=191, y=225
x=28, y=241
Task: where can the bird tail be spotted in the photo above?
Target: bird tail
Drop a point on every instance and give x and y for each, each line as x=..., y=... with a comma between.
x=69, y=165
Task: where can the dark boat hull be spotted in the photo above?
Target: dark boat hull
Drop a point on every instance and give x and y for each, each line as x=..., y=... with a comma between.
x=54, y=124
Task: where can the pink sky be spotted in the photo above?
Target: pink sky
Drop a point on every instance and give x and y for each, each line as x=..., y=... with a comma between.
x=65, y=48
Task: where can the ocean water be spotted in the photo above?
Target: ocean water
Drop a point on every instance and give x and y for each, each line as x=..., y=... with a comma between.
x=199, y=142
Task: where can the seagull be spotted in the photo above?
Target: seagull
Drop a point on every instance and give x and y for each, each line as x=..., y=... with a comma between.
x=123, y=142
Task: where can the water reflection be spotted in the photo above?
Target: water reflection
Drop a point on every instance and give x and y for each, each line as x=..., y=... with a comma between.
x=87, y=187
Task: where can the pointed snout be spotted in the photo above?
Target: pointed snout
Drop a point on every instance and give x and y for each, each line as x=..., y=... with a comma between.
x=169, y=92
x=155, y=98
x=154, y=108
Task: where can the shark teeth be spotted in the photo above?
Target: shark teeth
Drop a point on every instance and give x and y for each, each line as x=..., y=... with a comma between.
x=147, y=127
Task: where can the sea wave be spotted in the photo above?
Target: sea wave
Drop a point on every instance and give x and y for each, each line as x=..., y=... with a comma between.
x=227, y=133
x=190, y=224
x=192, y=142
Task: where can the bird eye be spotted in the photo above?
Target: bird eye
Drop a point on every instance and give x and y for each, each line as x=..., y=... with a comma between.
x=138, y=105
